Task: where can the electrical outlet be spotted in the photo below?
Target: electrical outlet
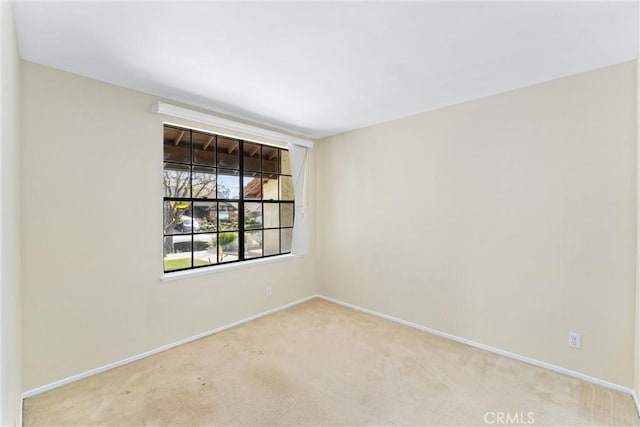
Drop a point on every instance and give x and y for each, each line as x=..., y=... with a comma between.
x=575, y=340
x=269, y=291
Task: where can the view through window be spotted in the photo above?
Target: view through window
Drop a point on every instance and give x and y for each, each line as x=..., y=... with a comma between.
x=225, y=199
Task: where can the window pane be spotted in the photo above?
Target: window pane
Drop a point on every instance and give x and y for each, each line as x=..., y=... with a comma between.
x=176, y=180
x=228, y=246
x=271, y=242
x=253, y=244
x=177, y=217
x=205, y=214
x=205, y=249
x=285, y=239
x=285, y=165
x=228, y=184
x=270, y=187
x=251, y=156
x=204, y=148
x=270, y=159
x=286, y=215
x=252, y=215
x=177, y=252
x=228, y=153
x=228, y=216
x=204, y=187
x=252, y=185
x=286, y=188
x=177, y=144
x=203, y=183
x=271, y=213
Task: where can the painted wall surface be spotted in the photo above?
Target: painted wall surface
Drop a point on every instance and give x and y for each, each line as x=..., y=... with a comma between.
x=509, y=220
x=636, y=376
x=92, y=235
x=10, y=371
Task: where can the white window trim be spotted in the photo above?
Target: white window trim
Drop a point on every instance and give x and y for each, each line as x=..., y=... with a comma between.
x=298, y=248
x=221, y=268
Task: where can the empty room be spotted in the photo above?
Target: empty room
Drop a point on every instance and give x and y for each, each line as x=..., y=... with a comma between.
x=319, y=213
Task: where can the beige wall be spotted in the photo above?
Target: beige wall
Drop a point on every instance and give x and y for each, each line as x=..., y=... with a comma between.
x=92, y=246
x=510, y=220
x=636, y=376
x=10, y=371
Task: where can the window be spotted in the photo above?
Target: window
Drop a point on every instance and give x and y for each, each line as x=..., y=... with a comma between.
x=225, y=200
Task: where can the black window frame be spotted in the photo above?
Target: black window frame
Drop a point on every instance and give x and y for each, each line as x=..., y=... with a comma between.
x=187, y=133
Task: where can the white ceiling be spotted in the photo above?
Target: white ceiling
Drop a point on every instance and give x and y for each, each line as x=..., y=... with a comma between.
x=323, y=68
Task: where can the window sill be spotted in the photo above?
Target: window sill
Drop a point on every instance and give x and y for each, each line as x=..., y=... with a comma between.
x=166, y=277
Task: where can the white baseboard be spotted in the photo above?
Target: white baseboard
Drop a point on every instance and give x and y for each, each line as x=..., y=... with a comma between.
x=515, y=356
x=574, y=374
x=82, y=375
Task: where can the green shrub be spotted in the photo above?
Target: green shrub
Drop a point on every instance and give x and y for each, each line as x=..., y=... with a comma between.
x=228, y=241
x=206, y=225
x=233, y=225
x=252, y=223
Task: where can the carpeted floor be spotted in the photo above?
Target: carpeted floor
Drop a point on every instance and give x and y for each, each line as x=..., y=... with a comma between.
x=322, y=364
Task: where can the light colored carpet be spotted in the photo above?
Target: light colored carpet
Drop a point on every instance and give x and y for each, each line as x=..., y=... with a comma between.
x=322, y=364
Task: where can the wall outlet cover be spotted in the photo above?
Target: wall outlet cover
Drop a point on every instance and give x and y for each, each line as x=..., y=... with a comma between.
x=575, y=340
